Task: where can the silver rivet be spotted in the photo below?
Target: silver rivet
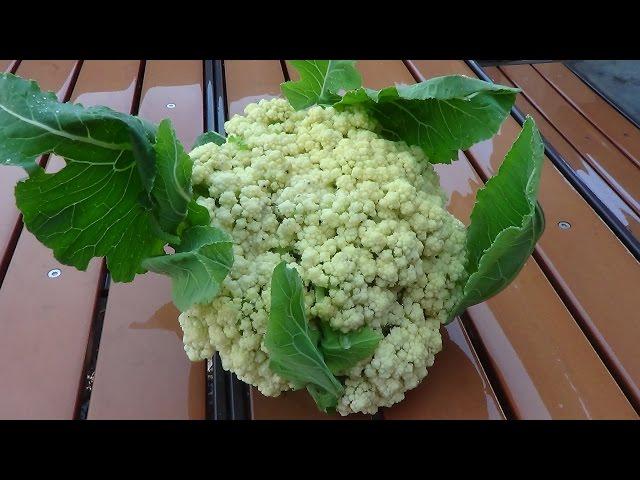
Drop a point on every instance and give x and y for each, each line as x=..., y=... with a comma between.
x=171, y=105
x=54, y=273
x=564, y=225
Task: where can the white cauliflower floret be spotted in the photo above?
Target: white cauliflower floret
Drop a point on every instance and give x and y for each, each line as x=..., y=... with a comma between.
x=399, y=363
x=235, y=323
x=196, y=339
x=359, y=216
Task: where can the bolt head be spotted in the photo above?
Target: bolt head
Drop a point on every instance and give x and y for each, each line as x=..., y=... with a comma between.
x=54, y=273
x=564, y=225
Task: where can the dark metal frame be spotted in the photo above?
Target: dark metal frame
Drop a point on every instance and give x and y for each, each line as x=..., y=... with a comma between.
x=618, y=228
x=227, y=397
x=495, y=63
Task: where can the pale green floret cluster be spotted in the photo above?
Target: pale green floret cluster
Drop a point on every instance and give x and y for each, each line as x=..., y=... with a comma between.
x=359, y=215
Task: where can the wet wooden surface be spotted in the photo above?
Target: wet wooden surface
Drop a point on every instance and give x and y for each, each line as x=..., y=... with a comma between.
x=44, y=321
x=142, y=369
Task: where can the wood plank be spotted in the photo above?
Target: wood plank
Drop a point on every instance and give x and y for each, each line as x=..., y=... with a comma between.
x=618, y=170
x=142, y=370
x=585, y=171
x=249, y=81
x=110, y=83
x=45, y=321
x=7, y=65
x=480, y=403
x=592, y=267
x=620, y=131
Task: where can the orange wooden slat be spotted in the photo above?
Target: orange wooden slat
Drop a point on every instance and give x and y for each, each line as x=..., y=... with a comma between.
x=624, y=134
x=111, y=83
x=44, y=322
x=585, y=171
x=6, y=65
x=594, y=270
x=248, y=82
x=616, y=168
x=173, y=89
x=142, y=371
x=52, y=75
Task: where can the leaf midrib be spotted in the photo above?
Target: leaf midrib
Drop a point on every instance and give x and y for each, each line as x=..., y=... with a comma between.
x=324, y=82
x=303, y=331
x=60, y=133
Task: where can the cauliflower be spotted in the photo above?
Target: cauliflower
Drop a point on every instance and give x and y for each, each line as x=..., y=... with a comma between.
x=360, y=217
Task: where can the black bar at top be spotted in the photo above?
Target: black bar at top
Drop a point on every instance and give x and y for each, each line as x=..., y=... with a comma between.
x=618, y=228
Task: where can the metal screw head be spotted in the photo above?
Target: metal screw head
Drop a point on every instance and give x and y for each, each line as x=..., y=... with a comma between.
x=564, y=225
x=54, y=273
x=171, y=105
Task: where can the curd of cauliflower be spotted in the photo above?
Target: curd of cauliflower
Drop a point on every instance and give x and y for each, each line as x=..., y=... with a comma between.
x=360, y=217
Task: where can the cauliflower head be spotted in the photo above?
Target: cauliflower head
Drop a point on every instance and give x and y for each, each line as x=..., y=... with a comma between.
x=362, y=219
